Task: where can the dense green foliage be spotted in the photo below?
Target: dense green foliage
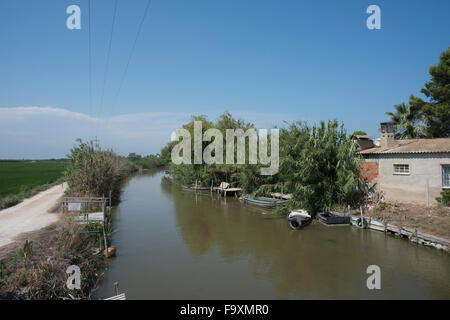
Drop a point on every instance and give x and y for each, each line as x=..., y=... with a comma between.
x=444, y=199
x=408, y=121
x=358, y=133
x=318, y=165
x=202, y=174
x=95, y=172
x=429, y=117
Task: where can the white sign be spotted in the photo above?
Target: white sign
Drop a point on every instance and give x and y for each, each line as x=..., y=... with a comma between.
x=75, y=206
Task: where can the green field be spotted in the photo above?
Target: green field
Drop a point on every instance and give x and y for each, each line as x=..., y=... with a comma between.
x=20, y=176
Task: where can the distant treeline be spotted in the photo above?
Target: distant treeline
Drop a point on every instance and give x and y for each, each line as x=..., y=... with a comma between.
x=151, y=161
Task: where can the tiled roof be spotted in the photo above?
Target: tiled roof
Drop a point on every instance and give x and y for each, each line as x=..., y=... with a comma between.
x=438, y=145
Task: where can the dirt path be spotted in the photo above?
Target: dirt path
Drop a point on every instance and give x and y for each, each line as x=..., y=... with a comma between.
x=29, y=215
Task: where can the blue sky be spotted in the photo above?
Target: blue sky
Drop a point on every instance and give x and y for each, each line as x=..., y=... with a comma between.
x=265, y=61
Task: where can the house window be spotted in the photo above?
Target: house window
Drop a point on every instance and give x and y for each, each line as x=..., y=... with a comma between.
x=401, y=168
x=446, y=176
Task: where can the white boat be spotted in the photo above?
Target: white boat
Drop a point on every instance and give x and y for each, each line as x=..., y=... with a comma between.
x=367, y=223
x=299, y=218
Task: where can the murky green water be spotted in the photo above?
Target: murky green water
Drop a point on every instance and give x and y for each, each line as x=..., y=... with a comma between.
x=177, y=245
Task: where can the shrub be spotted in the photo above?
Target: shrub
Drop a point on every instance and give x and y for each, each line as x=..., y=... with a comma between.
x=444, y=200
x=95, y=172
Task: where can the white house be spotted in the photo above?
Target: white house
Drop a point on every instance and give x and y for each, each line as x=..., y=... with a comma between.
x=411, y=170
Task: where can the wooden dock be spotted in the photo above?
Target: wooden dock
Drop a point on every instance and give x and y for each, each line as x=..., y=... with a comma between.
x=227, y=191
x=224, y=189
x=411, y=234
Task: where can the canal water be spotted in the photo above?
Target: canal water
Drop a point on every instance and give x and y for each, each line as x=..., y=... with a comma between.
x=173, y=244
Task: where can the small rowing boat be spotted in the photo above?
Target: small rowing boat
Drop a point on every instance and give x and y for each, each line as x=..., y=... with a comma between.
x=329, y=218
x=196, y=189
x=262, y=201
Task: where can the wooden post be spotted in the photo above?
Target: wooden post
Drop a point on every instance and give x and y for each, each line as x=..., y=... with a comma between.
x=104, y=231
x=116, y=288
x=110, y=203
x=106, y=243
x=104, y=211
x=362, y=216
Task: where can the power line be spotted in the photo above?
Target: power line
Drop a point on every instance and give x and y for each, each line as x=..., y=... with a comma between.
x=131, y=54
x=90, y=61
x=108, y=56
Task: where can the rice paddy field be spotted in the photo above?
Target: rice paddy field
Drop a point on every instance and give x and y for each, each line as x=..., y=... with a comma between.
x=17, y=177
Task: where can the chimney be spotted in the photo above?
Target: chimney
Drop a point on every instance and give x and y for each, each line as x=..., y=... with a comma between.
x=387, y=135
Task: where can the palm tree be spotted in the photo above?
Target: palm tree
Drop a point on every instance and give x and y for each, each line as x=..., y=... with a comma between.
x=408, y=122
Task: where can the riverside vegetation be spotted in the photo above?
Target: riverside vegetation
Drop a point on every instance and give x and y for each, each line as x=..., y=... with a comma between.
x=318, y=165
x=38, y=269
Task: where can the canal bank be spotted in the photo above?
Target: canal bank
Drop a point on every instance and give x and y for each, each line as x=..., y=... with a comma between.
x=179, y=245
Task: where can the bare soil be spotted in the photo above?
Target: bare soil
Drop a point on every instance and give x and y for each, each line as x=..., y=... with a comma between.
x=433, y=220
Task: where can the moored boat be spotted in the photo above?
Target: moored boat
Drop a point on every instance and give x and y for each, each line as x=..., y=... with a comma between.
x=196, y=189
x=262, y=201
x=329, y=218
x=367, y=223
x=299, y=218
x=376, y=225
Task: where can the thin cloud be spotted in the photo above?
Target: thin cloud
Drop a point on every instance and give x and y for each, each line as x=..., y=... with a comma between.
x=48, y=132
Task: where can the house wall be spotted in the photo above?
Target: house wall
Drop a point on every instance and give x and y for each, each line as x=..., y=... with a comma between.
x=369, y=171
x=422, y=185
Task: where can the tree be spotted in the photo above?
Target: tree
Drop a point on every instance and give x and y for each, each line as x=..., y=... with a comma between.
x=95, y=172
x=317, y=165
x=357, y=133
x=430, y=118
x=408, y=121
x=437, y=109
x=134, y=157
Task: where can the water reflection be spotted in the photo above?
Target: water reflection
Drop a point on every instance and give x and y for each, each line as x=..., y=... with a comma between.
x=204, y=246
